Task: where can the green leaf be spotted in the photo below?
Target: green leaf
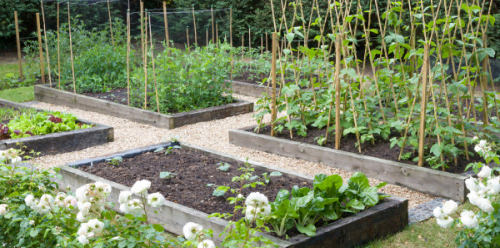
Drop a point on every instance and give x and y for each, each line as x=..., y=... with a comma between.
x=275, y=174
x=436, y=150
x=309, y=230
x=167, y=175
x=158, y=227
x=224, y=167
x=220, y=191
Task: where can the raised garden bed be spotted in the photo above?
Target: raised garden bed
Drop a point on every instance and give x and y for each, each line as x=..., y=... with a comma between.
x=249, y=89
x=60, y=142
x=445, y=184
x=183, y=203
x=46, y=94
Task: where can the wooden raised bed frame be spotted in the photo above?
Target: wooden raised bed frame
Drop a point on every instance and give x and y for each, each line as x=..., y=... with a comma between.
x=59, y=142
x=249, y=89
x=45, y=93
x=389, y=216
x=422, y=179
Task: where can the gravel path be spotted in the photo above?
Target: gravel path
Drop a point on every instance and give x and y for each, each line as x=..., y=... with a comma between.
x=212, y=135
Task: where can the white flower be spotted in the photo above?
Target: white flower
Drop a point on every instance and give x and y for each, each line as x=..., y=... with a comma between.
x=82, y=192
x=264, y=211
x=85, y=230
x=256, y=199
x=30, y=201
x=83, y=239
x=485, y=172
x=84, y=207
x=449, y=207
x=251, y=213
x=141, y=186
x=124, y=196
x=472, y=184
x=475, y=138
x=156, y=200
x=133, y=207
x=493, y=185
x=191, y=230
x=444, y=222
x=103, y=188
x=484, y=204
x=438, y=213
x=70, y=201
x=32, y=222
x=482, y=147
x=207, y=243
x=469, y=219
x=96, y=225
x=80, y=217
x=47, y=199
x=239, y=196
x=3, y=209
x=59, y=201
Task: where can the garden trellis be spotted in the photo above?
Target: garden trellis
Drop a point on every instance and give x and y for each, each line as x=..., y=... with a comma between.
x=427, y=89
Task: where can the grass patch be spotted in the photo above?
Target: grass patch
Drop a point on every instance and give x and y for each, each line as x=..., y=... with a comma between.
x=424, y=234
x=9, y=75
x=21, y=94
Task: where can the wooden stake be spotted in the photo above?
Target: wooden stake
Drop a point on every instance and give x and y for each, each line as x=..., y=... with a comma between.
x=46, y=44
x=187, y=37
x=249, y=40
x=58, y=50
x=338, y=132
x=194, y=25
x=71, y=52
x=423, y=104
x=231, y=26
x=213, y=24
x=128, y=56
x=145, y=61
x=165, y=21
x=206, y=37
x=40, y=49
x=266, y=42
x=153, y=65
x=110, y=25
x=18, y=43
x=273, y=77
x=141, y=7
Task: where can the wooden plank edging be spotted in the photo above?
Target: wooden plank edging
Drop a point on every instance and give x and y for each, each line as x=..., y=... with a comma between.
x=46, y=94
x=388, y=217
x=422, y=179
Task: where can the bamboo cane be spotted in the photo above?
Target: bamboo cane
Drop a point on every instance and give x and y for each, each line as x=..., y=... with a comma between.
x=261, y=44
x=71, y=51
x=46, y=44
x=194, y=26
x=110, y=25
x=217, y=34
x=58, y=49
x=249, y=40
x=206, y=36
x=187, y=37
x=128, y=56
x=40, y=49
x=165, y=22
x=231, y=27
x=213, y=23
x=153, y=65
x=141, y=4
x=273, y=78
x=18, y=44
x=338, y=132
x=145, y=59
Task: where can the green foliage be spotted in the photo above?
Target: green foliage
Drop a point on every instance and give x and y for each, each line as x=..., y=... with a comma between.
x=328, y=200
x=21, y=94
x=186, y=80
x=25, y=12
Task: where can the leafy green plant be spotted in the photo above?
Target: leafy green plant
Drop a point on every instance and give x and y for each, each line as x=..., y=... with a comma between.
x=40, y=123
x=115, y=161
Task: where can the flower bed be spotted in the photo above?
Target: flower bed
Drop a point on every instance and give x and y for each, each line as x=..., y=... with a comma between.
x=50, y=133
x=388, y=216
x=426, y=180
x=51, y=95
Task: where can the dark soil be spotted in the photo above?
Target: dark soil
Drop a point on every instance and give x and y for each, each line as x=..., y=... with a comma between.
x=380, y=148
x=114, y=95
x=192, y=185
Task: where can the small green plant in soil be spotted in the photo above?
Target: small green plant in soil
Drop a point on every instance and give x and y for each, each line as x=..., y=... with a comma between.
x=115, y=161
